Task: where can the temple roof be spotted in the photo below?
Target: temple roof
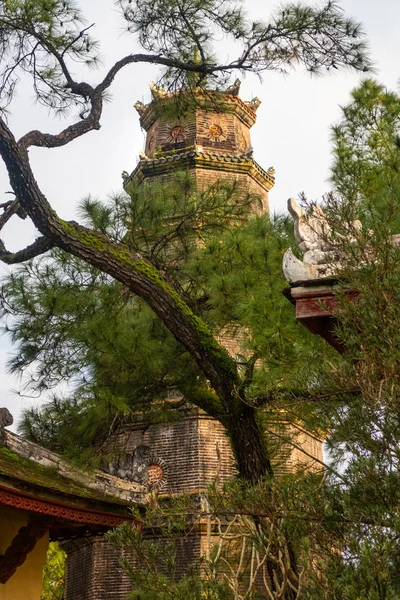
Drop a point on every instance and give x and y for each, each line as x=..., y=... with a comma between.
x=27, y=475
x=41, y=482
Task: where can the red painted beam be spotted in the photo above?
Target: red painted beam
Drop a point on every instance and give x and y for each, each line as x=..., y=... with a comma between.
x=317, y=309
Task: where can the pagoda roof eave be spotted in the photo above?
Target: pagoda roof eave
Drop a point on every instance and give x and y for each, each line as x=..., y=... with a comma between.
x=222, y=101
x=68, y=511
x=192, y=157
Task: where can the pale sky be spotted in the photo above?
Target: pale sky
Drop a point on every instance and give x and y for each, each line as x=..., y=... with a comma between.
x=292, y=132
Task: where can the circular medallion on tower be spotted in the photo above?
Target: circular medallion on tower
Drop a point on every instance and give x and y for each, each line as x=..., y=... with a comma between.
x=154, y=475
x=215, y=133
x=177, y=134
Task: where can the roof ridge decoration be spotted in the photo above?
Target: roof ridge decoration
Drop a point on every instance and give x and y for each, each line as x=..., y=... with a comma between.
x=6, y=419
x=61, y=510
x=99, y=481
x=315, y=238
x=323, y=257
x=228, y=96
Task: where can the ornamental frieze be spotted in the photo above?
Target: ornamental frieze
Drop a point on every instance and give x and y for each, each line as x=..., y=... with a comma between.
x=25, y=502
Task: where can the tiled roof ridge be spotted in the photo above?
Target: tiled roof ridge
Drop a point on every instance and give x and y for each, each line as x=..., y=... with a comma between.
x=193, y=152
x=98, y=481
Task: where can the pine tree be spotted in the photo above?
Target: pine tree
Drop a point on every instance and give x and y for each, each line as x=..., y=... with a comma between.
x=53, y=573
x=44, y=40
x=74, y=324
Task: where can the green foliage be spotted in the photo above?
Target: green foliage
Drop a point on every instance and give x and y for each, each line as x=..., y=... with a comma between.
x=316, y=38
x=245, y=531
x=367, y=156
x=152, y=564
x=34, y=35
x=53, y=573
x=364, y=430
x=45, y=39
x=72, y=324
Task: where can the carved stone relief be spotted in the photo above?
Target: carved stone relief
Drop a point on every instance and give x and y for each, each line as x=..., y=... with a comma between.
x=140, y=466
x=323, y=256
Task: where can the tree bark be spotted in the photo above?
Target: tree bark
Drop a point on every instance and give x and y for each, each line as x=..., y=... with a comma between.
x=248, y=445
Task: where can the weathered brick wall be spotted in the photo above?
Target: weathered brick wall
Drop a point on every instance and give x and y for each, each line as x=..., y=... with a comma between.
x=188, y=552
x=216, y=458
x=93, y=572
x=160, y=135
x=245, y=185
x=188, y=450
x=195, y=449
x=296, y=448
x=216, y=130
x=308, y=448
x=232, y=338
x=222, y=131
x=239, y=558
x=223, y=128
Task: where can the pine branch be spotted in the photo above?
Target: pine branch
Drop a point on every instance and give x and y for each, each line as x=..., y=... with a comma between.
x=39, y=246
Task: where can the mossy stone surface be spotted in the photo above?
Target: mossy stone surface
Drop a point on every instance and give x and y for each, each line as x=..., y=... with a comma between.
x=46, y=481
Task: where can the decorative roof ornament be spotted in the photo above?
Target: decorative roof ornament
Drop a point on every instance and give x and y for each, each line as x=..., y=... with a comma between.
x=6, y=419
x=140, y=107
x=234, y=89
x=157, y=92
x=315, y=238
x=323, y=256
x=271, y=171
x=254, y=103
x=125, y=175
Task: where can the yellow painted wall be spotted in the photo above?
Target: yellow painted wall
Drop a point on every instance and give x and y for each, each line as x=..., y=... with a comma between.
x=26, y=583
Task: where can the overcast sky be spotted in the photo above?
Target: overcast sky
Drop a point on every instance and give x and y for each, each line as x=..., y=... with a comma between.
x=292, y=132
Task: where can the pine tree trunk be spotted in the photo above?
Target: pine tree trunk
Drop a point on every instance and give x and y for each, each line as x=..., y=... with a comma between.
x=248, y=446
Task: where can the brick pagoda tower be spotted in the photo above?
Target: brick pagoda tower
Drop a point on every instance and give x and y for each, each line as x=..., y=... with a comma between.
x=212, y=142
